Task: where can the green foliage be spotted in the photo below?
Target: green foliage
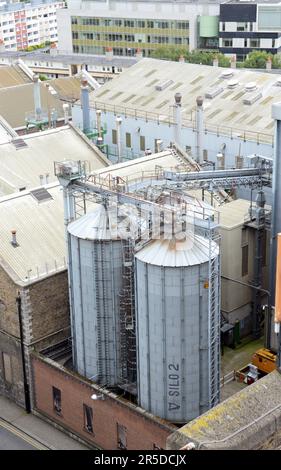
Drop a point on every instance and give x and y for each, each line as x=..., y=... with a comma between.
x=195, y=57
x=256, y=60
x=42, y=77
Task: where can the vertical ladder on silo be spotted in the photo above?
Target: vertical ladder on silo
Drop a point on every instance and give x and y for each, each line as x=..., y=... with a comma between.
x=214, y=321
x=98, y=309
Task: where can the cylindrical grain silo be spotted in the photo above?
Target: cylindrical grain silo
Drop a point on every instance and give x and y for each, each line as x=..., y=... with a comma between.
x=95, y=277
x=175, y=379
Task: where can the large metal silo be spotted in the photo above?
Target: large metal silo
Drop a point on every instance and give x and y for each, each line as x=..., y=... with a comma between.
x=95, y=275
x=177, y=367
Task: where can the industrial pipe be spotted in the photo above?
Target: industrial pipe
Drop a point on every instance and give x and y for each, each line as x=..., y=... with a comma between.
x=199, y=129
x=99, y=129
x=177, y=118
x=118, y=137
x=85, y=103
x=37, y=97
x=277, y=316
x=25, y=382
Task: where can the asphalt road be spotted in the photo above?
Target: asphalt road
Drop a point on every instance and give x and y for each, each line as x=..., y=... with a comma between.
x=13, y=439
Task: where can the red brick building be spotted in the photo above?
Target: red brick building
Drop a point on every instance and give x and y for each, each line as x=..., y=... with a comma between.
x=109, y=422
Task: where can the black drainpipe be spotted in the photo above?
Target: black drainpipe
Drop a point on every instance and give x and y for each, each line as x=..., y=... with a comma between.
x=25, y=383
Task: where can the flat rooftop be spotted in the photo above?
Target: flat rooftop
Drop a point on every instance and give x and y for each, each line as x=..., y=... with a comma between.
x=135, y=89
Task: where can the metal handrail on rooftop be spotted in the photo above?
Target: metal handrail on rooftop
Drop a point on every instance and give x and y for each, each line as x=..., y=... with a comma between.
x=189, y=122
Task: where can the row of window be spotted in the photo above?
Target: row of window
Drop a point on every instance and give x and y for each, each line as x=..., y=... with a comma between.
x=117, y=51
x=88, y=425
x=243, y=26
x=129, y=38
x=251, y=43
x=132, y=23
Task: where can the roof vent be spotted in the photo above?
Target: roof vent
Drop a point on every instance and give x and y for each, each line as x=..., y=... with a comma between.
x=19, y=143
x=278, y=83
x=232, y=83
x=251, y=86
x=227, y=74
x=41, y=195
x=161, y=86
x=212, y=92
x=252, y=98
x=14, y=239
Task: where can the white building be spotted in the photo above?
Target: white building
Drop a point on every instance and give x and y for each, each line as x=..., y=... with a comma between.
x=236, y=111
x=29, y=24
x=91, y=26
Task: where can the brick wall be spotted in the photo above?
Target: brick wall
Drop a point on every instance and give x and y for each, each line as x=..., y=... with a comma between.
x=143, y=430
x=45, y=316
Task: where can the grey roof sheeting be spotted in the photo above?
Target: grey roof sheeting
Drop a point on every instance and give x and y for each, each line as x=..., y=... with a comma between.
x=12, y=75
x=135, y=89
x=40, y=235
x=21, y=168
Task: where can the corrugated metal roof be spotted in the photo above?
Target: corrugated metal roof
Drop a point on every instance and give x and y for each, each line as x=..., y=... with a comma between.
x=12, y=75
x=21, y=168
x=142, y=166
x=234, y=213
x=192, y=251
x=16, y=101
x=41, y=247
x=67, y=88
x=192, y=80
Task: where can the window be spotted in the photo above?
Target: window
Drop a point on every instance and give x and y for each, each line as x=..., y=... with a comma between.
x=245, y=42
x=142, y=143
x=251, y=27
x=254, y=42
x=7, y=367
x=121, y=437
x=114, y=136
x=242, y=26
x=128, y=140
x=57, y=400
x=74, y=21
x=223, y=26
x=227, y=43
x=205, y=155
x=245, y=257
x=88, y=418
x=74, y=35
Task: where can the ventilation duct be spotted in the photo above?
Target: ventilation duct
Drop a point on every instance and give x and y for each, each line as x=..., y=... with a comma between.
x=212, y=92
x=227, y=74
x=252, y=98
x=163, y=85
x=232, y=84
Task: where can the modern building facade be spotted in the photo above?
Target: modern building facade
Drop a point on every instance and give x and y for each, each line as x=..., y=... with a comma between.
x=28, y=24
x=123, y=27
x=247, y=26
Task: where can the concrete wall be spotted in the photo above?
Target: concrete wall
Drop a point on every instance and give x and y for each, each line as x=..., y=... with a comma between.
x=143, y=431
x=249, y=420
x=212, y=141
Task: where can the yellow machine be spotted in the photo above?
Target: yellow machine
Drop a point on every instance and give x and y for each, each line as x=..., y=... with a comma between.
x=264, y=360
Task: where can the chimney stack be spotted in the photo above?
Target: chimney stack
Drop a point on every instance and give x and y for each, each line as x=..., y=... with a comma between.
x=14, y=238
x=215, y=61
x=65, y=112
x=47, y=178
x=109, y=53
x=118, y=132
x=2, y=45
x=233, y=62
x=41, y=179
x=53, y=49
x=139, y=54
x=269, y=63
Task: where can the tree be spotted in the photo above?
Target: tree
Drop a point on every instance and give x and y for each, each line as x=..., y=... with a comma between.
x=256, y=60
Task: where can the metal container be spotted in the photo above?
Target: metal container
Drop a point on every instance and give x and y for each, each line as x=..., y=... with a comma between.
x=174, y=327
x=95, y=278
